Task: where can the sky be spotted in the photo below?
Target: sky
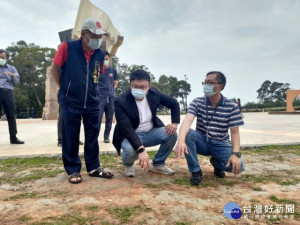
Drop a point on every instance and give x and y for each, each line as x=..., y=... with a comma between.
x=250, y=41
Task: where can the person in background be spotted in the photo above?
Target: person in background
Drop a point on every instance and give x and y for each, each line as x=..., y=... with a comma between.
x=9, y=77
x=239, y=104
x=108, y=82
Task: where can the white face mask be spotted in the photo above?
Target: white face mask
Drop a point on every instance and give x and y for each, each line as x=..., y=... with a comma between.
x=2, y=62
x=106, y=62
x=94, y=43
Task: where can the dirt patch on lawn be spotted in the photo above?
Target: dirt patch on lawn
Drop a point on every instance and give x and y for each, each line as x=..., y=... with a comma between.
x=150, y=198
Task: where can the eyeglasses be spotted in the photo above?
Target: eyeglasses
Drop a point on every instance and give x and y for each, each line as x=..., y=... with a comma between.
x=210, y=83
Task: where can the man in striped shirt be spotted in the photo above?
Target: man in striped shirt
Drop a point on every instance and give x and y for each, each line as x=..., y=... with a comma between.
x=215, y=115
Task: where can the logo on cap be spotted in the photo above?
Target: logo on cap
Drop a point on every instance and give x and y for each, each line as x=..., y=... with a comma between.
x=98, y=24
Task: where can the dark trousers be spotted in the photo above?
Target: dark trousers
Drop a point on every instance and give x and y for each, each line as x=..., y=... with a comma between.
x=108, y=108
x=71, y=120
x=59, y=125
x=8, y=101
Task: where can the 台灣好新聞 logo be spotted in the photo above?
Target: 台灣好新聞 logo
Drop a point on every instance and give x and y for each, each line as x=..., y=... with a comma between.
x=232, y=210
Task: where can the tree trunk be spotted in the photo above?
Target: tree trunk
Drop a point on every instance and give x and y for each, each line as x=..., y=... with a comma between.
x=36, y=96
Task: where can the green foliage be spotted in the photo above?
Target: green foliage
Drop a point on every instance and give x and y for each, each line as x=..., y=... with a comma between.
x=273, y=94
x=31, y=61
x=169, y=85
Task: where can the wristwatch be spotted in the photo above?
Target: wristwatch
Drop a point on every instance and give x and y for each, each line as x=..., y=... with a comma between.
x=238, y=154
x=141, y=150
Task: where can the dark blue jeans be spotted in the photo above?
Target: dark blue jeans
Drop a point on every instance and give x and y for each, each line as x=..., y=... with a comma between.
x=71, y=120
x=109, y=109
x=155, y=136
x=219, y=150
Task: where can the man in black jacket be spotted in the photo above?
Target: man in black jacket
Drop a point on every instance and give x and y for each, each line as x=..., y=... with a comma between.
x=138, y=126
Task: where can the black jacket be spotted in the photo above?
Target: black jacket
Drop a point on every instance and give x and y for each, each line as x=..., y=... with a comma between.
x=128, y=120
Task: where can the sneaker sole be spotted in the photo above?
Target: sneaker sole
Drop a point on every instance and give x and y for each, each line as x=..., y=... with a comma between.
x=129, y=175
x=158, y=171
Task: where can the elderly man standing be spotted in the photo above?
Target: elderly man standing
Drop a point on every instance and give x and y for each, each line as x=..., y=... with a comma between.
x=76, y=69
x=8, y=78
x=215, y=115
x=138, y=126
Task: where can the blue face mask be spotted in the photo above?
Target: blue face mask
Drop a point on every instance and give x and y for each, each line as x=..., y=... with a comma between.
x=94, y=43
x=208, y=90
x=138, y=94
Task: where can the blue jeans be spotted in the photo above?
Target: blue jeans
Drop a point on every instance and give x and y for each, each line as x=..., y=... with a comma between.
x=155, y=136
x=198, y=144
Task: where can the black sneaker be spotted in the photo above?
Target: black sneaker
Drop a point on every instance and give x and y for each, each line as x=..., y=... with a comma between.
x=217, y=173
x=196, y=178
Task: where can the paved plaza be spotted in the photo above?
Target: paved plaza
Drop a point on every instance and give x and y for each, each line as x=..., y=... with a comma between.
x=40, y=136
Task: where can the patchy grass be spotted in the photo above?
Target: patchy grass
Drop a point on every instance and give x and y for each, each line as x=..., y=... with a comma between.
x=252, y=200
x=182, y=181
x=257, y=189
x=35, y=174
x=273, y=149
x=37, y=168
x=207, y=181
x=270, y=178
x=149, y=185
x=24, y=219
x=68, y=219
x=32, y=195
x=125, y=214
x=282, y=200
x=60, y=193
x=182, y=223
x=92, y=207
x=19, y=164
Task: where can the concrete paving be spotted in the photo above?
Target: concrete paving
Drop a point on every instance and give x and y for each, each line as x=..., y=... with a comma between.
x=40, y=136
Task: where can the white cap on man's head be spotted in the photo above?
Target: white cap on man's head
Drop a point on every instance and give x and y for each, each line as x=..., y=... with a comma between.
x=92, y=25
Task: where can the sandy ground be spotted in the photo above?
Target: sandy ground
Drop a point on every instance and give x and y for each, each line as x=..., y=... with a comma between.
x=156, y=198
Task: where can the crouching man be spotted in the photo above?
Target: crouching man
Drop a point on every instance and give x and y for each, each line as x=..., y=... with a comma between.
x=215, y=115
x=138, y=126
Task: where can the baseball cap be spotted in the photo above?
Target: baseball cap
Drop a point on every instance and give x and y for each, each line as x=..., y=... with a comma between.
x=92, y=25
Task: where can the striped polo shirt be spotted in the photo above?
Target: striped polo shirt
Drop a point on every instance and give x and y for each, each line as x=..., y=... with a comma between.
x=215, y=122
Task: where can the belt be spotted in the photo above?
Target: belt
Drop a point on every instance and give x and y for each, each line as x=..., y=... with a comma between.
x=5, y=89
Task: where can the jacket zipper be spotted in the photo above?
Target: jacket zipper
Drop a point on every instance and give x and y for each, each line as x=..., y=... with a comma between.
x=68, y=88
x=87, y=83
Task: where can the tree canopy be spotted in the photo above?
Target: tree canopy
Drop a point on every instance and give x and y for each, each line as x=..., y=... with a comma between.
x=273, y=93
x=31, y=62
x=169, y=85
